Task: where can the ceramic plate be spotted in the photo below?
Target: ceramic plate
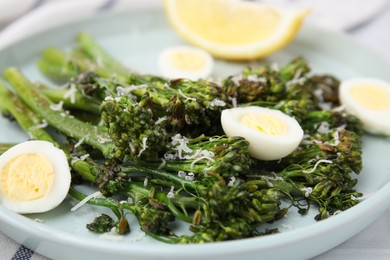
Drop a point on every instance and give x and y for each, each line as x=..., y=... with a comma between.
x=136, y=39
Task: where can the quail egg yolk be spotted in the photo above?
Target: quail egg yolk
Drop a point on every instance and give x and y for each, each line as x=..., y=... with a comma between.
x=27, y=177
x=265, y=123
x=187, y=60
x=370, y=97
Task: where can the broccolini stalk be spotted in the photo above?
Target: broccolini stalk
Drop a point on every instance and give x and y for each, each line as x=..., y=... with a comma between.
x=27, y=119
x=5, y=146
x=70, y=126
x=98, y=54
x=61, y=67
x=75, y=101
x=57, y=66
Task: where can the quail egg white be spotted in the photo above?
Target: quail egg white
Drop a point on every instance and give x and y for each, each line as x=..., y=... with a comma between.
x=271, y=133
x=34, y=177
x=369, y=100
x=185, y=62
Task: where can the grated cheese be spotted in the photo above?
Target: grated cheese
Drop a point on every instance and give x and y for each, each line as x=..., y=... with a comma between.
x=190, y=176
x=234, y=101
x=171, y=193
x=217, y=103
x=236, y=79
x=103, y=140
x=80, y=141
x=39, y=126
x=109, y=98
x=181, y=174
x=124, y=91
x=85, y=200
x=206, y=157
x=232, y=181
x=288, y=226
x=297, y=79
x=316, y=165
x=160, y=120
x=324, y=128
x=71, y=93
x=162, y=165
x=57, y=107
x=256, y=78
x=307, y=191
x=186, y=97
x=144, y=146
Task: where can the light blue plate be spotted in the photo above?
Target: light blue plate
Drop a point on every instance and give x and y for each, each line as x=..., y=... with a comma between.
x=136, y=39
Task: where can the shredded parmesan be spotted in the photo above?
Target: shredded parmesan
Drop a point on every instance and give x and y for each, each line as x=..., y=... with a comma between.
x=232, y=181
x=288, y=226
x=234, y=101
x=71, y=93
x=163, y=163
x=103, y=139
x=123, y=91
x=160, y=120
x=171, y=193
x=86, y=199
x=201, y=158
x=83, y=157
x=316, y=165
x=112, y=235
x=323, y=128
x=297, y=79
x=57, y=107
x=181, y=174
x=146, y=182
x=109, y=98
x=275, y=66
x=256, y=78
x=339, y=108
x=190, y=176
x=337, y=212
x=80, y=142
x=39, y=126
x=181, y=145
x=144, y=146
x=307, y=191
x=186, y=97
x=217, y=103
x=236, y=79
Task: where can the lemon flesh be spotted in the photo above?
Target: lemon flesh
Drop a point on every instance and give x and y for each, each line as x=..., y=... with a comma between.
x=234, y=29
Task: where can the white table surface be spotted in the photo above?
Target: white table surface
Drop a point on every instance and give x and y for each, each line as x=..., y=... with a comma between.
x=374, y=241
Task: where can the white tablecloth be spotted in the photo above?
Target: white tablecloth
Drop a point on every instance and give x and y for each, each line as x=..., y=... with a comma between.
x=370, y=27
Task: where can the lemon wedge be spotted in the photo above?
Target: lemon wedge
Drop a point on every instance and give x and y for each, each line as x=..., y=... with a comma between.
x=234, y=29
